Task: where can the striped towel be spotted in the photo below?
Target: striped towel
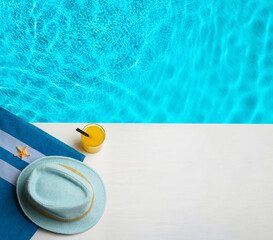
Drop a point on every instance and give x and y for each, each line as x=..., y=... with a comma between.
x=15, y=132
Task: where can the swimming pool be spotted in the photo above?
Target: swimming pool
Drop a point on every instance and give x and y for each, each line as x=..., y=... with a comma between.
x=183, y=61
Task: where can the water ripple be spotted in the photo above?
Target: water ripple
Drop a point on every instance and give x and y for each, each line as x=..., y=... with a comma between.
x=137, y=61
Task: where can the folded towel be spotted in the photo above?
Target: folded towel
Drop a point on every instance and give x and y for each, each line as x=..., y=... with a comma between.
x=15, y=132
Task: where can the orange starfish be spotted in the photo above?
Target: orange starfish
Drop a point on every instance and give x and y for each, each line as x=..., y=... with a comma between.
x=22, y=153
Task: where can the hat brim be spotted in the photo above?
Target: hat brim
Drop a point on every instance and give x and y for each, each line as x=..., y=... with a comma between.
x=57, y=226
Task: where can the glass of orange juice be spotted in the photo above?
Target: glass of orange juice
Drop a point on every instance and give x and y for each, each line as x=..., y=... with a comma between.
x=93, y=143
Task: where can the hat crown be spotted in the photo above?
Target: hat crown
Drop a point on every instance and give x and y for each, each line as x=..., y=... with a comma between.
x=59, y=192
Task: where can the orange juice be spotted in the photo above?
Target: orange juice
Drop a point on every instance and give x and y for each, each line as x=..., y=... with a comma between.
x=94, y=142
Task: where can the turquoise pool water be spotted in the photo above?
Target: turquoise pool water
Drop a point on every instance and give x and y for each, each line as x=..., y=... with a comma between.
x=185, y=61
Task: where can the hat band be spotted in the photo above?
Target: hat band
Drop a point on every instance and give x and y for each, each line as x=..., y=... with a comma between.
x=66, y=220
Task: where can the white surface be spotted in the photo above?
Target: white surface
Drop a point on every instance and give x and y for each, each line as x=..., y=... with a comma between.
x=191, y=182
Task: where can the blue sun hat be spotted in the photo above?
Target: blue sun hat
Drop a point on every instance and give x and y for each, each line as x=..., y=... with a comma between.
x=61, y=194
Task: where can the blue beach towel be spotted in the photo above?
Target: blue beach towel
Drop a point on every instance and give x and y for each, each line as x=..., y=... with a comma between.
x=15, y=132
